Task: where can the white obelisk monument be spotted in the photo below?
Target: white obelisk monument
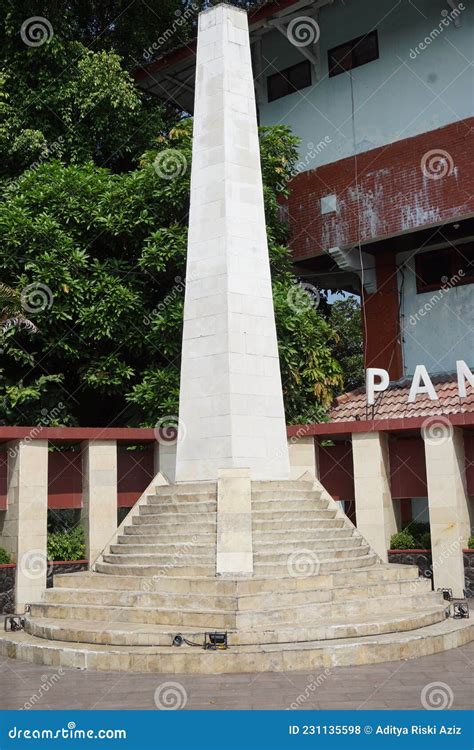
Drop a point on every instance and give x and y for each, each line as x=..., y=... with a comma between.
x=231, y=404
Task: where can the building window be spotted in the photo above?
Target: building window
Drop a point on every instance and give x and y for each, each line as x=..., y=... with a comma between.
x=289, y=80
x=449, y=267
x=352, y=54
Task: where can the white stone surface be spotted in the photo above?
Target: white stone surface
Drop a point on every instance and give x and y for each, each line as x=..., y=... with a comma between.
x=376, y=512
x=448, y=505
x=99, y=495
x=24, y=527
x=303, y=456
x=231, y=403
x=234, y=553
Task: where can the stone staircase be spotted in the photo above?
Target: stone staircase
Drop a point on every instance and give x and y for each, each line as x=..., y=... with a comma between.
x=319, y=595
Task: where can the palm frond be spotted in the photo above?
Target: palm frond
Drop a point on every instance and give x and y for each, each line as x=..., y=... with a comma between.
x=18, y=321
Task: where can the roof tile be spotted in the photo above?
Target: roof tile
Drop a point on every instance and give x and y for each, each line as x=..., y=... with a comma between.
x=393, y=403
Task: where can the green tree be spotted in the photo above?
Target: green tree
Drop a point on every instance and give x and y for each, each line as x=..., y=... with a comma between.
x=95, y=187
x=103, y=256
x=346, y=322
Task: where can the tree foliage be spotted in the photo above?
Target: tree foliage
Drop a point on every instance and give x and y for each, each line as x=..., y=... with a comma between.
x=345, y=320
x=94, y=215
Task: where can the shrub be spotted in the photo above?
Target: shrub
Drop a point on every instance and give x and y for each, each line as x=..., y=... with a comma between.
x=417, y=529
x=402, y=540
x=67, y=545
x=4, y=557
x=425, y=541
x=470, y=542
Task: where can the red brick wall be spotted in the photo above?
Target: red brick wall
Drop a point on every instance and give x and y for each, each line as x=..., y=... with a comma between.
x=394, y=195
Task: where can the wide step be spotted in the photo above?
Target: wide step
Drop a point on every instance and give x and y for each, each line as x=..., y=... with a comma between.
x=283, y=657
x=123, y=633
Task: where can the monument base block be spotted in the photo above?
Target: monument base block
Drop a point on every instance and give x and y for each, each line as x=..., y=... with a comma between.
x=276, y=565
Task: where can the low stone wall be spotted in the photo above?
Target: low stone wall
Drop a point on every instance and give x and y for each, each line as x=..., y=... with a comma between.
x=7, y=579
x=422, y=558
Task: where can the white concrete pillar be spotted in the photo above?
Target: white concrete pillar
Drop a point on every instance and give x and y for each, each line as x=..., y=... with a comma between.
x=448, y=504
x=99, y=495
x=24, y=528
x=376, y=515
x=234, y=523
x=231, y=402
x=302, y=451
x=165, y=459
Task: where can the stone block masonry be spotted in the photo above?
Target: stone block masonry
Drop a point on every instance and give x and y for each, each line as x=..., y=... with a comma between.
x=231, y=404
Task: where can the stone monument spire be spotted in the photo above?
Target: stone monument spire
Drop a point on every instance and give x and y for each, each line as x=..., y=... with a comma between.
x=231, y=403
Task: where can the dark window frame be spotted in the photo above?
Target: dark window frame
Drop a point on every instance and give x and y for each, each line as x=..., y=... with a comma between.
x=355, y=51
x=285, y=77
x=451, y=253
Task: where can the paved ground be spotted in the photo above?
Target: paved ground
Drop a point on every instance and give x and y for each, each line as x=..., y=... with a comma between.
x=392, y=685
